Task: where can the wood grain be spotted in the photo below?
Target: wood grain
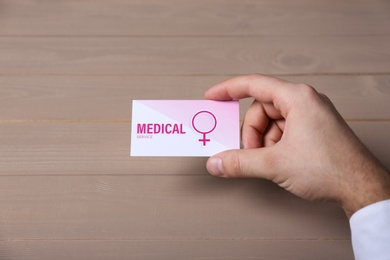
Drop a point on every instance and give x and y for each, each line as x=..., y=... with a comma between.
x=103, y=148
x=168, y=250
x=109, y=97
x=194, y=55
x=68, y=72
x=204, y=17
x=161, y=208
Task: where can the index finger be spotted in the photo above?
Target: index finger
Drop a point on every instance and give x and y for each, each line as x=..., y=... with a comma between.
x=263, y=88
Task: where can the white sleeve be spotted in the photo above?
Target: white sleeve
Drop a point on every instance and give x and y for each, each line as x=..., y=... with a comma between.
x=370, y=228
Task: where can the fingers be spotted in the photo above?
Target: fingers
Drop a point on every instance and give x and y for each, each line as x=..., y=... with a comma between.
x=272, y=135
x=280, y=123
x=257, y=129
x=254, y=126
x=258, y=163
x=262, y=88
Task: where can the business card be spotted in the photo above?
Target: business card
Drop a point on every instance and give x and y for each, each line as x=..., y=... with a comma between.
x=184, y=127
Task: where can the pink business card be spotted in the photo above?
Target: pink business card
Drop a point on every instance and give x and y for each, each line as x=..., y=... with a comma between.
x=184, y=127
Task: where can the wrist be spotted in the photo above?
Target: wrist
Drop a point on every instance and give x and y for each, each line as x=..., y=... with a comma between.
x=369, y=187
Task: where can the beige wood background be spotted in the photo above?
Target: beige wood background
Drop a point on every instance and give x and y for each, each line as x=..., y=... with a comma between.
x=68, y=72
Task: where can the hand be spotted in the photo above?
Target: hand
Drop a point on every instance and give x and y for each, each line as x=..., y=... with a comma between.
x=294, y=136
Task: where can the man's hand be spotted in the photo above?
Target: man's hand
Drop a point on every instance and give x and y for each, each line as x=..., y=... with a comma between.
x=294, y=136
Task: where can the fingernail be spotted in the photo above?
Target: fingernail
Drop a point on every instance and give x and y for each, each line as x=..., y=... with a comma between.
x=214, y=166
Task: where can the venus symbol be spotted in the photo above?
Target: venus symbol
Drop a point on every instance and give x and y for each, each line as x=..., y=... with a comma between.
x=204, y=122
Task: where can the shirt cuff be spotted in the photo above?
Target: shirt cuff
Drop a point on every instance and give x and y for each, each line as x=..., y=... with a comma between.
x=370, y=230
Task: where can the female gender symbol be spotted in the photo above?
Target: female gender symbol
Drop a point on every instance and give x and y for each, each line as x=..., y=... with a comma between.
x=201, y=125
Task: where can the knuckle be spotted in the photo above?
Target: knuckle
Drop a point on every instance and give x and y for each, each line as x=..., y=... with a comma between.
x=236, y=166
x=307, y=89
x=309, y=93
x=252, y=81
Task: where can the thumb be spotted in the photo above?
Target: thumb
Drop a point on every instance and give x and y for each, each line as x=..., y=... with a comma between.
x=258, y=163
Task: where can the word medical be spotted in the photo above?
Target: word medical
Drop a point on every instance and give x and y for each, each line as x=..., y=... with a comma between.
x=160, y=129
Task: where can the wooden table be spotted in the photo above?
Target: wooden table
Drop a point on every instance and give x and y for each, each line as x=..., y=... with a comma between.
x=68, y=72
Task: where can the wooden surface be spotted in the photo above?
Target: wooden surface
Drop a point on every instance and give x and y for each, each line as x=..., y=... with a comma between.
x=68, y=72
